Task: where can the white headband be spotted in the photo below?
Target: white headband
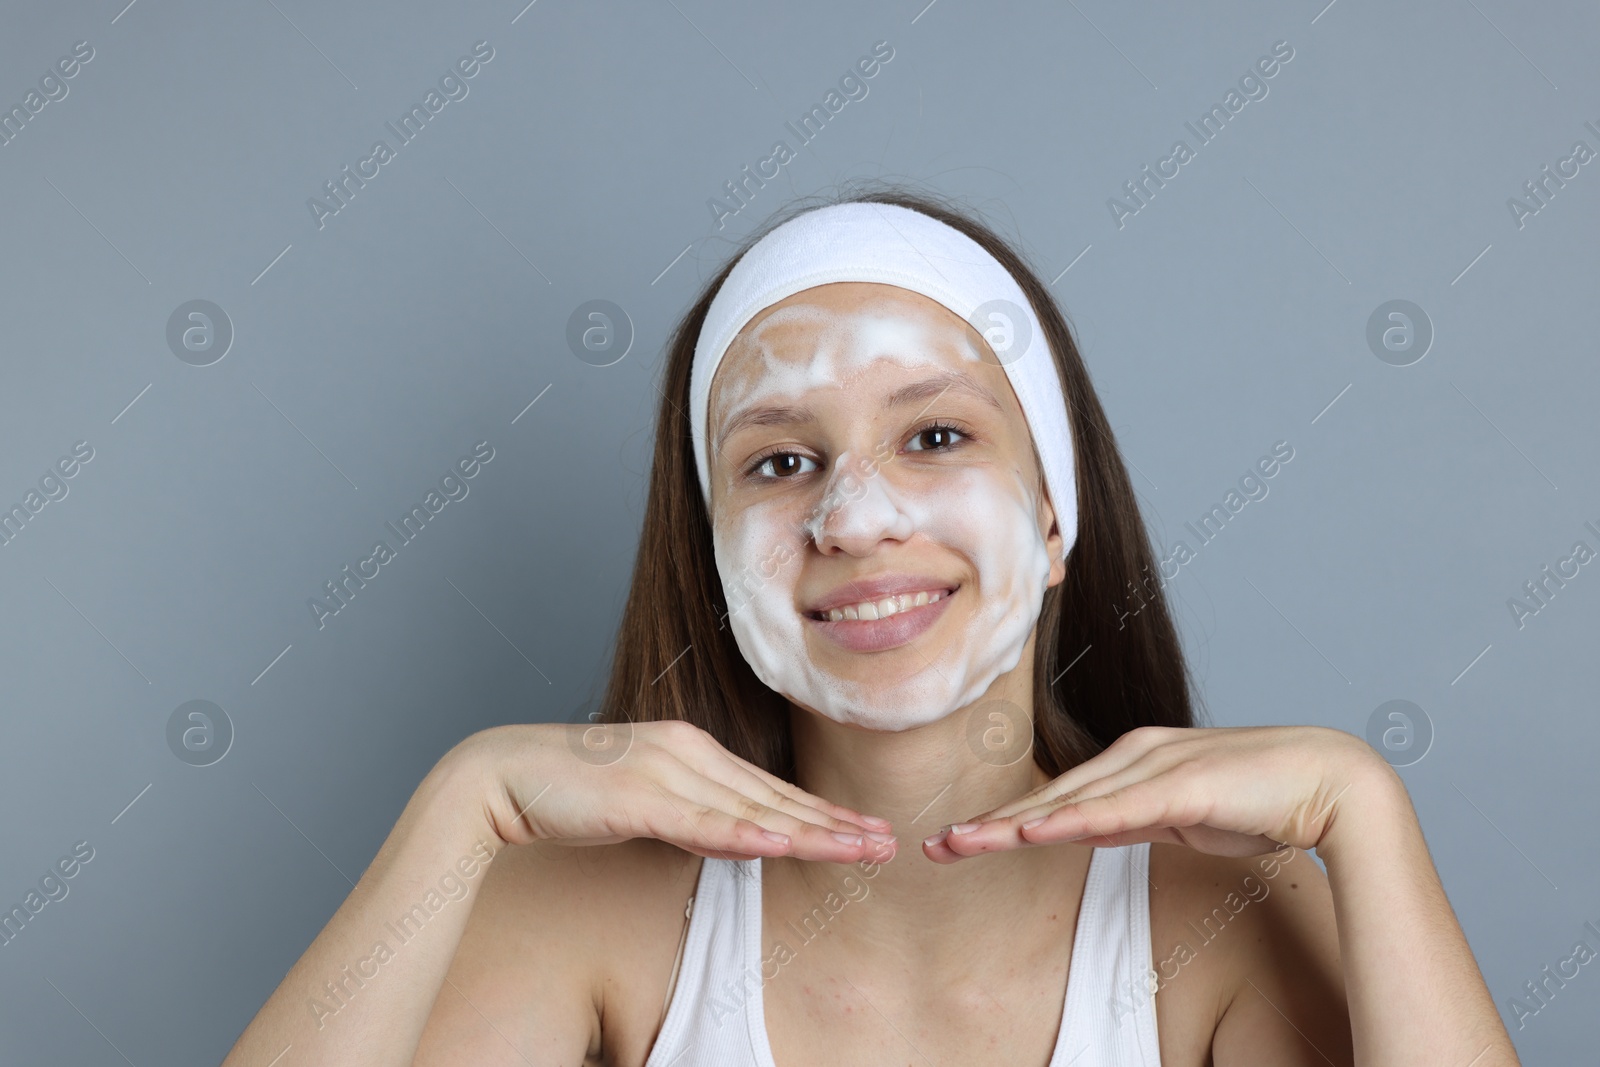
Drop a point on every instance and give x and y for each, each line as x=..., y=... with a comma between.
x=894, y=245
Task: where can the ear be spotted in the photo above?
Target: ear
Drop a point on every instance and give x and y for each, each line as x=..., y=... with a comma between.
x=1053, y=540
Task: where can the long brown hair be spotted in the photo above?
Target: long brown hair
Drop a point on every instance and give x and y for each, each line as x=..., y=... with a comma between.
x=1107, y=622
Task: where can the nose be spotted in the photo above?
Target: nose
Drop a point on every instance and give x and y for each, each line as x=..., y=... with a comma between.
x=859, y=508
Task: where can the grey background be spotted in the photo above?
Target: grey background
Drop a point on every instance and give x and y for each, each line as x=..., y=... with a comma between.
x=1228, y=314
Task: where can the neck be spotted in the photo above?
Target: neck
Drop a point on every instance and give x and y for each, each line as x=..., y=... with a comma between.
x=960, y=766
x=923, y=780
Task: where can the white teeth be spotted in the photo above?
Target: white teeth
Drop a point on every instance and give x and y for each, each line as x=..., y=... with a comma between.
x=882, y=609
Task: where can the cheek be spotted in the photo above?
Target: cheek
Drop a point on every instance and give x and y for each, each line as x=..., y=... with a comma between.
x=754, y=549
x=989, y=516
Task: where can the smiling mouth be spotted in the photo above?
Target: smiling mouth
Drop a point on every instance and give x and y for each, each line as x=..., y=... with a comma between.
x=883, y=608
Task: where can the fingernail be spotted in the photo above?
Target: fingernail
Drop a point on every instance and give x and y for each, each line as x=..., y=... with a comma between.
x=1034, y=822
x=935, y=839
x=882, y=839
x=848, y=839
x=874, y=820
x=963, y=827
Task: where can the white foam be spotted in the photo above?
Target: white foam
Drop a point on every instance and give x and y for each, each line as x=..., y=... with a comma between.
x=838, y=355
x=984, y=515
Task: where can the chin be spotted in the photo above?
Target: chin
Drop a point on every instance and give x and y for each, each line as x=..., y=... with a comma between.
x=872, y=719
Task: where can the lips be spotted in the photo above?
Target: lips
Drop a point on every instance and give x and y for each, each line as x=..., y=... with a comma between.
x=882, y=609
x=860, y=590
x=878, y=635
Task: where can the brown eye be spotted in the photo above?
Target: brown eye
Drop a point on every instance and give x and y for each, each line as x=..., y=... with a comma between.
x=939, y=432
x=783, y=464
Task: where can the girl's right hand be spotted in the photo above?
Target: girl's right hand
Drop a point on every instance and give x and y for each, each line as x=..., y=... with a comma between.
x=605, y=783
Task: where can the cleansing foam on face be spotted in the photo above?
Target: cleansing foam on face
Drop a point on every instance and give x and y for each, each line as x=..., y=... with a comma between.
x=972, y=525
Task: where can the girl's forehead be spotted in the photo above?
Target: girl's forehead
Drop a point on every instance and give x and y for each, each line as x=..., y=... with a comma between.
x=833, y=336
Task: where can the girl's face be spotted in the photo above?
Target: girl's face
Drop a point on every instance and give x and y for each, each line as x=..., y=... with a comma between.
x=870, y=460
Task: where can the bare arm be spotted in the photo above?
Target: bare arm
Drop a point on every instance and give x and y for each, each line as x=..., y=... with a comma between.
x=1415, y=992
x=362, y=991
x=1412, y=985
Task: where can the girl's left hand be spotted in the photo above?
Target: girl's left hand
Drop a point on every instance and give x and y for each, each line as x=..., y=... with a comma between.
x=1226, y=791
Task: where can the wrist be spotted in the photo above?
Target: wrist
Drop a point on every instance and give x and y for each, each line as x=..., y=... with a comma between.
x=1373, y=810
x=499, y=773
x=457, y=794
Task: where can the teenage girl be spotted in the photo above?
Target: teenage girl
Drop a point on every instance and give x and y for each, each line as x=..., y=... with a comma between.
x=885, y=773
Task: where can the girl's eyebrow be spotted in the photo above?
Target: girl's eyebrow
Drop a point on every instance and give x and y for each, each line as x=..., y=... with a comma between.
x=929, y=389
x=937, y=386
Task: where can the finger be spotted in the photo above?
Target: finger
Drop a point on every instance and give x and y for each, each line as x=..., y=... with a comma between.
x=1092, y=810
x=698, y=850
x=936, y=848
x=1121, y=754
x=716, y=834
x=983, y=834
x=775, y=792
x=745, y=785
x=738, y=773
x=712, y=816
x=1156, y=803
x=720, y=854
x=848, y=843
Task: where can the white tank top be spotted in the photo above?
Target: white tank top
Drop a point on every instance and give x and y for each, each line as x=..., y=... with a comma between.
x=716, y=1013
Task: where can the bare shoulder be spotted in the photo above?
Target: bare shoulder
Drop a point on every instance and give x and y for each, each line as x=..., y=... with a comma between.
x=565, y=959
x=1244, y=954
